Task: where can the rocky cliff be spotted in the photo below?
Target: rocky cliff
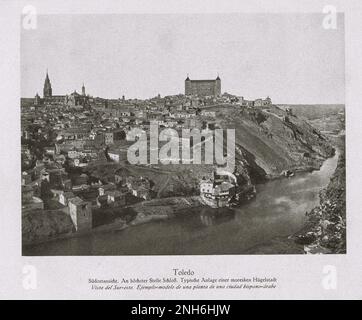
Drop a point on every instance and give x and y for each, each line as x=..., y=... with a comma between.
x=272, y=140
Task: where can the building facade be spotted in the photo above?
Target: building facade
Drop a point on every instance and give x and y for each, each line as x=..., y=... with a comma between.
x=203, y=87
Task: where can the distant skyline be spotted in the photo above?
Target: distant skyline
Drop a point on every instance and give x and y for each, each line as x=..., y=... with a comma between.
x=289, y=57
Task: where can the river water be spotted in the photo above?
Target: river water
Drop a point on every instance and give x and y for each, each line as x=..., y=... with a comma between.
x=278, y=210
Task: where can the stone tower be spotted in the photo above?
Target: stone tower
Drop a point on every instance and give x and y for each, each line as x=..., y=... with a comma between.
x=47, y=91
x=188, y=90
x=80, y=212
x=83, y=90
x=218, y=86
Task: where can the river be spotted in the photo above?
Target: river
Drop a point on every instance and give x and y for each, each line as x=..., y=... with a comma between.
x=278, y=210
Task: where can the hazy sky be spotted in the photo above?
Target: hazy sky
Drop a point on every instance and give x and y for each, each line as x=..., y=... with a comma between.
x=289, y=57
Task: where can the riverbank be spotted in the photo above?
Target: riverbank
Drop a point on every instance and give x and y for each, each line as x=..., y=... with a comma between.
x=324, y=231
x=47, y=226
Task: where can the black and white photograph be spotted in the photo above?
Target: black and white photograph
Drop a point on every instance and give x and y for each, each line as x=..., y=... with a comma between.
x=183, y=134
x=187, y=152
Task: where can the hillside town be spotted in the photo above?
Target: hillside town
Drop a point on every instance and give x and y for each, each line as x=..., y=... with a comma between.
x=64, y=137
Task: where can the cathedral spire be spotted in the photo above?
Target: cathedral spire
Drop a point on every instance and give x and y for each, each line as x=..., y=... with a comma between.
x=47, y=90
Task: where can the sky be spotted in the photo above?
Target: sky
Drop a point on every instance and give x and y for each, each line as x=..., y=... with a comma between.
x=289, y=57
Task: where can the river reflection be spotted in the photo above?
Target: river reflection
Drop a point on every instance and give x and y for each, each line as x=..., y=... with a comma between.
x=210, y=218
x=278, y=210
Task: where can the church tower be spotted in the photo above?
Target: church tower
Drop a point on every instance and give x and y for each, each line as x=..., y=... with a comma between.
x=47, y=91
x=83, y=90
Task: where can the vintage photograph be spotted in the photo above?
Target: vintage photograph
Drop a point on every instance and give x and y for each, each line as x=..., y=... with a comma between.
x=183, y=134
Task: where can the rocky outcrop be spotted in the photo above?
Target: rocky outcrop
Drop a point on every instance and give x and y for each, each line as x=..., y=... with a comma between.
x=40, y=225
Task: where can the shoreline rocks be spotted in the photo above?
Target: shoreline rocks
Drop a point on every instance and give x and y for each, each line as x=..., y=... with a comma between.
x=325, y=231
